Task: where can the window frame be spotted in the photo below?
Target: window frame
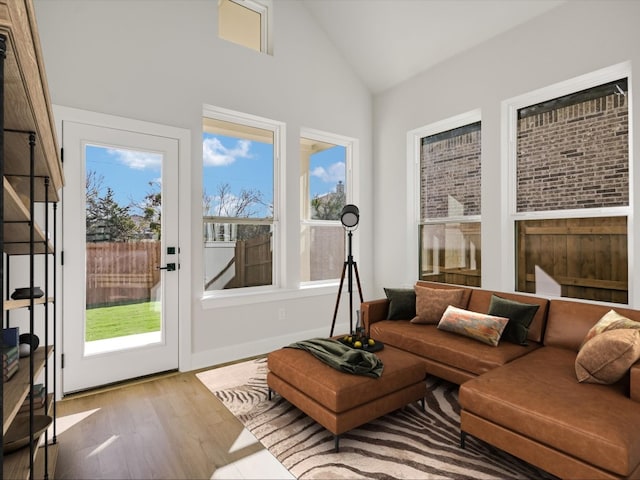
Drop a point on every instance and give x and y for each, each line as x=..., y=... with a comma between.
x=351, y=146
x=279, y=238
x=509, y=129
x=414, y=152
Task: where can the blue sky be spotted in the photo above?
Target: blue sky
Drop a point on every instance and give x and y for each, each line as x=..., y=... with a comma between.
x=240, y=163
x=249, y=164
x=127, y=172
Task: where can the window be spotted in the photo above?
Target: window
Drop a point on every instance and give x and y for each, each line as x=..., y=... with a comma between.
x=572, y=193
x=239, y=200
x=450, y=179
x=324, y=163
x=245, y=22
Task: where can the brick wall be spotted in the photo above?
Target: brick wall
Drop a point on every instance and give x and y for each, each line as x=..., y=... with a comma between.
x=450, y=176
x=576, y=156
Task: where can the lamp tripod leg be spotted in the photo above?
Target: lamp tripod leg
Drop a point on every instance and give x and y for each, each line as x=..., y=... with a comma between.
x=335, y=312
x=355, y=268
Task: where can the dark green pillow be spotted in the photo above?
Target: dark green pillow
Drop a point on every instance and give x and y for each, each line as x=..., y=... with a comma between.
x=402, y=303
x=520, y=316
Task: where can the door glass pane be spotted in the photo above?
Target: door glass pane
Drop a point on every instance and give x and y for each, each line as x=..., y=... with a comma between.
x=123, y=235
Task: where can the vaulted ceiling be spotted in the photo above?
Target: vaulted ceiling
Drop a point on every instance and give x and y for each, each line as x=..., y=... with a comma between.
x=389, y=41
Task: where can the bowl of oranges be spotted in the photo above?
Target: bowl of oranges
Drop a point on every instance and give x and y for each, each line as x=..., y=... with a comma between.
x=361, y=341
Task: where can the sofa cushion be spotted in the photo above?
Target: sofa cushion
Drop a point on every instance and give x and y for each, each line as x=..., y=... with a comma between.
x=520, y=316
x=538, y=396
x=432, y=302
x=608, y=356
x=402, y=303
x=453, y=350
x=569, y=321
x=479, y=326
x=610, y=321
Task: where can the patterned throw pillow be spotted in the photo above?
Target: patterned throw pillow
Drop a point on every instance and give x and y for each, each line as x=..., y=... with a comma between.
x=607, y=357
x=479, y=326
x=520, y=316
x=432, y=302
x=402, y=303
x=611, y=320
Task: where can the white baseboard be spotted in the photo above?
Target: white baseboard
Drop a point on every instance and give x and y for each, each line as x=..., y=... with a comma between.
x=239, y=351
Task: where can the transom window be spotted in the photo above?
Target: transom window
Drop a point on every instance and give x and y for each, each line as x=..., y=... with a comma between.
x=245, y=22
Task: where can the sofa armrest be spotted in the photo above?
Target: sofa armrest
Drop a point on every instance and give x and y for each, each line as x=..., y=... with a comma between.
x=634, y=382
x=373, y=311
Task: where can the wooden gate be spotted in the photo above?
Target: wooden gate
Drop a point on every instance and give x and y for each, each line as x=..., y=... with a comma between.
x=586, y=256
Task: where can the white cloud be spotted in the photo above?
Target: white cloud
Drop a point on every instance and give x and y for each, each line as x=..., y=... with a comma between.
x=332, y=174
x=214, y=154
x=137, y=160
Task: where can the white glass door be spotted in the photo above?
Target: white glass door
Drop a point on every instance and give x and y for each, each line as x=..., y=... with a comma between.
x=121, y=255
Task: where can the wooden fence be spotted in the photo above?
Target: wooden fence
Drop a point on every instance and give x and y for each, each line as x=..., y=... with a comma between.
x=253, y=263
x=586, y=256
x=121, y=272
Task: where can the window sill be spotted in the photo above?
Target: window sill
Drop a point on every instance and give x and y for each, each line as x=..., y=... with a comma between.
x=228, y=298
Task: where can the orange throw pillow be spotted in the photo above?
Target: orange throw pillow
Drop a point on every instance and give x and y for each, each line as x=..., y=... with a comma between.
x=432, y=302
x=608, y=356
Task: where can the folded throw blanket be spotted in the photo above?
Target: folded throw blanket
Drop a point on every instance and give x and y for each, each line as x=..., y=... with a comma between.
x=342, y=357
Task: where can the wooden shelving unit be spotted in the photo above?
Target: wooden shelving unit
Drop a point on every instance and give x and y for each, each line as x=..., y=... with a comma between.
x=31, y=172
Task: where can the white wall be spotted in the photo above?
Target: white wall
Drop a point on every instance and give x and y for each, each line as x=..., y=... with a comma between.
x=572, y=40
x=160, y=62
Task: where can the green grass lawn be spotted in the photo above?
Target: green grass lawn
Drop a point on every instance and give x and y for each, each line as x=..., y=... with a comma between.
x=110, y=322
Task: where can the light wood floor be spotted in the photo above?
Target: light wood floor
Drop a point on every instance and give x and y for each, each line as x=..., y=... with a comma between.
x=168, y=427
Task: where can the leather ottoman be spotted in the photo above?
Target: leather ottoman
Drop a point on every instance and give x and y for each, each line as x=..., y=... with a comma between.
x=341, y=401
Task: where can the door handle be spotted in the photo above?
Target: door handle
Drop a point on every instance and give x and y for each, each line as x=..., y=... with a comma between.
x=169, y=268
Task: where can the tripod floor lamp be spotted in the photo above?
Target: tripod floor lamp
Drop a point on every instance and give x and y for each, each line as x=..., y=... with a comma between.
x=349, y=218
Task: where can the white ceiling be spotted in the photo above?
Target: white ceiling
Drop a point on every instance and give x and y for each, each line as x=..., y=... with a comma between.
x=389, y=41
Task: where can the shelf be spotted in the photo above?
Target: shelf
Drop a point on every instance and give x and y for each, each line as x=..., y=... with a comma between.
x=23, y=303
x=16, y=464
x=16, y=226
x=17, y=388
x=27, y=102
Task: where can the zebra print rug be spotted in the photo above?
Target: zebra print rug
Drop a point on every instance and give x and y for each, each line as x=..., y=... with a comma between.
x=406, y=444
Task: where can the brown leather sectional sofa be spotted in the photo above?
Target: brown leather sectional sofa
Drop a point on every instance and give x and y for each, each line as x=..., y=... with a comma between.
x=526, y=400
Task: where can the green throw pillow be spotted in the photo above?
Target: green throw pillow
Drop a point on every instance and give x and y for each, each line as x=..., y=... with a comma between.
x=520, y=316
x=402, y=303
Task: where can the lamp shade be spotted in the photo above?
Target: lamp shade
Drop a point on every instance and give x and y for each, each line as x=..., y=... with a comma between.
x=350, y=216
